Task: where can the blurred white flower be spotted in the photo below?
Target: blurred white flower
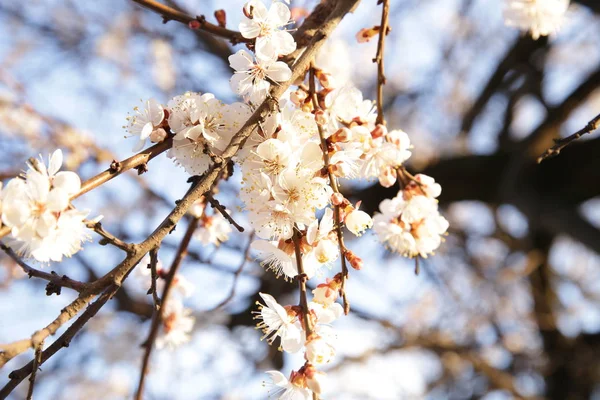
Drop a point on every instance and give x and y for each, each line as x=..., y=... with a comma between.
x=540, y=17
x=177, y=324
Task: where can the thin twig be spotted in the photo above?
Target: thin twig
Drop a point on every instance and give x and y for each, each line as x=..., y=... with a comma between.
x=107, y=237
x=171, y=14
x=158, y=314
x=562, y=143
x=383, y=31
x=302, y=278
x=37, y=359
x=53, y=278
x=236, y=276
x=154, y=277
x=221, y=208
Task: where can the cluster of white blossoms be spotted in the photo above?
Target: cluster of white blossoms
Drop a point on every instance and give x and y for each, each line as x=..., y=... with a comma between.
x=540, y=17
x=290, y=166
x=410, y=224
x=36, y=207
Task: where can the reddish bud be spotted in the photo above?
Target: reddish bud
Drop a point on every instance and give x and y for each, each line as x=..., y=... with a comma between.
x=343, y=135
x=355, y=261
x=366, y=34
x=221, y=17
x=298, y=97
x=320, y=117
x=337, y=199
x=379, y=131
x=194, y=24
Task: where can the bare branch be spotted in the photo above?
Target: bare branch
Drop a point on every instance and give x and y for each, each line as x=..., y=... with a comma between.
x=52, y=277
x=221, y=208
x=383, y=31
x=158, y=315
x=562, y=143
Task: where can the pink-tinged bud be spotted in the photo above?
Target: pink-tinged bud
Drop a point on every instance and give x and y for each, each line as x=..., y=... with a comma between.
x=321, y=117
x=194, y=24
x=323, y=78
x=387, y=177
x=158, y=135
x=221, y=17
x=379, y=131
x=337, y=199
x=342, y=135
x=366, y=34
x=315, y=380
x=298, y=97
x=341, y=170
x=326, y=293
x=355, y=261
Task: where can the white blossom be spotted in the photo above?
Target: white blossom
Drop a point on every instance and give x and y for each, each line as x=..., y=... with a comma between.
x=37, y=209
x=251, y=78
x=265, y=26
x=284, y=389
x=177, y=325
x=540, y=17
x=145, y=123
x=214, y=230
x=276, y=321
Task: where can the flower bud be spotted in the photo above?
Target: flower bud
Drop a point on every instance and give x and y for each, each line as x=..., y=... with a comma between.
x=379, y=131
x=366, y=34
x=387, y=177
x=358, y=222
x=323, y=78
x=298, y=97
x=326, y=293
x=337, y=199
x=320, y=117
x=355, y=261
x=195, y=24
x=342, y=135
x=158, y=135
x=221, y=17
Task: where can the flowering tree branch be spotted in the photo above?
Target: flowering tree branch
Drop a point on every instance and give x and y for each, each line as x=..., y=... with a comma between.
x=158, y=316
x=108, y=238
x=219, y=207
x=312, y=90
x=562, y=143
x=383, y=31
x=110, y=283
x=236, y=275
x=199, y=22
